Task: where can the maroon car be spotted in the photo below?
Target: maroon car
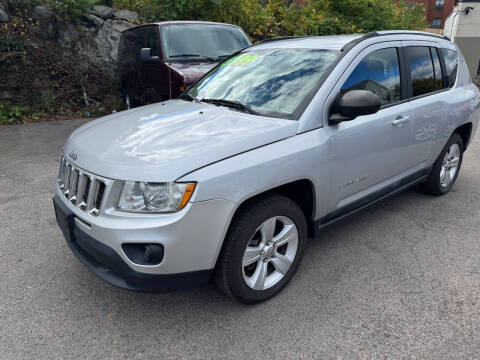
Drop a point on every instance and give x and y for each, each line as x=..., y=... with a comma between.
x=159, y=61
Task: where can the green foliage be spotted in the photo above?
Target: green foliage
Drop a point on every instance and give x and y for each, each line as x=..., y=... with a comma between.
x=12, y=114
x=261, y=19
x=7, y=45
x=70, y=10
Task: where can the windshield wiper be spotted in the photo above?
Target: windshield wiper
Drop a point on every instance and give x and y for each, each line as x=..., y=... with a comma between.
x=191, y=56
x=222, y=57
x=231, y=104
x=189, y=97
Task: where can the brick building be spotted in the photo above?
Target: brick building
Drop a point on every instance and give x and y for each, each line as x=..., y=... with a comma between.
x=437, y=11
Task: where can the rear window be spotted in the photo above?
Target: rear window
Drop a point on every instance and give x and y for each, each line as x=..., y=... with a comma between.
x=201, y=41
x=421, y=70
x=451, y=66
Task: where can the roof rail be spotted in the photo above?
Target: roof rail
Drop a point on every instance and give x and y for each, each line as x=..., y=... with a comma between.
x=282, y=38
x=404, y=32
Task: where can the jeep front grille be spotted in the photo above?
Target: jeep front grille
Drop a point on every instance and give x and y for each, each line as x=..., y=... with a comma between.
x=83, y=189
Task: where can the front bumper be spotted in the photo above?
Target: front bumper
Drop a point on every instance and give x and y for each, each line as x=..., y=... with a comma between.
x=192, y=241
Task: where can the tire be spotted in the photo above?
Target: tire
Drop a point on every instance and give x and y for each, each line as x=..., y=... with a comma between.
x=251, y=226
x=129, y=100
x=441, y=181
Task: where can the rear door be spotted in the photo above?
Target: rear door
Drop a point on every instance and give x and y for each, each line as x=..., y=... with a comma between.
x=427, y=97
x=371, y=152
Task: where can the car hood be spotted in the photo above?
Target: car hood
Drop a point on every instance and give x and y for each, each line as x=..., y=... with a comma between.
x=192, y=71
x=164, y=141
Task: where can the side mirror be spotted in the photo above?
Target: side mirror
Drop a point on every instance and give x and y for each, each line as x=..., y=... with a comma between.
x=146, y=56
x=354, y=103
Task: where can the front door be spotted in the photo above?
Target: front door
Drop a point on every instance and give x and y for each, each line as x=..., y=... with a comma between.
x=370, y=153
x=154, y=75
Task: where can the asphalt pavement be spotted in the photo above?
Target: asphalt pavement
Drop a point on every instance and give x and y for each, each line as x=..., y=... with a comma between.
x=398, y=281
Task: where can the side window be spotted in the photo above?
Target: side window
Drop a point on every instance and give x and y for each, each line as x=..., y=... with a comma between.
x=421, y=69
x=378, y=72
x=129, y=43
x=451, y=65
x=140, y=42
x=152, y=41
x=438, y=69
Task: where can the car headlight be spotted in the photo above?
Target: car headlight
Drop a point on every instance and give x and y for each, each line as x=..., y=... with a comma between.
x=151, y=197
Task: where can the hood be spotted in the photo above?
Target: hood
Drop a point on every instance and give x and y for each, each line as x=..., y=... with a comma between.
x=164, y=141
x=192, y=71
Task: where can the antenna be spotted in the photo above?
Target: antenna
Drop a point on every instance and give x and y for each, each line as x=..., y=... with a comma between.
x=169, y=58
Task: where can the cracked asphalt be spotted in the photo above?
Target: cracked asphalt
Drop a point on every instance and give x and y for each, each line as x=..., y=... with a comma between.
x=401, y=280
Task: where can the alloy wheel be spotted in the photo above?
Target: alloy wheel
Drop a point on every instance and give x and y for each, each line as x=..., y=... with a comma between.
x=450, y=165
x=270, y=253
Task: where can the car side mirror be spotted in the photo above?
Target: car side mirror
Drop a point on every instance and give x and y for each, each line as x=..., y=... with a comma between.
x=146, y=56
x=354, y=103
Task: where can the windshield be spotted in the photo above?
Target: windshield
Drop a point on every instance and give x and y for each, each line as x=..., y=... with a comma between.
x=271, y=82
x=201, y=41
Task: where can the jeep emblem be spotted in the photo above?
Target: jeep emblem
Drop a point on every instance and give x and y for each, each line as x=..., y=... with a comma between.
x=73, y=155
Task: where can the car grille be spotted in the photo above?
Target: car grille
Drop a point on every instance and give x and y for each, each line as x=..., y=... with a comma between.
x=84, y=190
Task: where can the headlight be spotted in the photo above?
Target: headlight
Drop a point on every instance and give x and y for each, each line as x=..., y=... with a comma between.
x=147, y=197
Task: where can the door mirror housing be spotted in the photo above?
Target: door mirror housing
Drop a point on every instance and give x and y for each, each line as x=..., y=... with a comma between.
x=354, y=103
x=146, y=56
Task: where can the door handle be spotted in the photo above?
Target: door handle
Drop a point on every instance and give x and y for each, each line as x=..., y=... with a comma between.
x=400, y=121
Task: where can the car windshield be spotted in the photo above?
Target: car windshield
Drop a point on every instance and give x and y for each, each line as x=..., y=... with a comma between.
x=270, y=82
x=201, y=41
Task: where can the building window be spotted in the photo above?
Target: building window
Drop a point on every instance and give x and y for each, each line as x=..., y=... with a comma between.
x=439, y=4
x=437, y=23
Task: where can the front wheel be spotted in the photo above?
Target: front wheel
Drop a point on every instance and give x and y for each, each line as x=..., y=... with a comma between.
x=446, y=168
x=129, y=100
x=262, y=250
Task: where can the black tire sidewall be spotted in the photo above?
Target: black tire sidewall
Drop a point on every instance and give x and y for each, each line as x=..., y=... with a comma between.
x=434, y=186
x=244, y=226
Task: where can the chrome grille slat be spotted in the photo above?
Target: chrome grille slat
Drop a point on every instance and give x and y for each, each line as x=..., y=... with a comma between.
x=80, y=188
x=66, y=183
x=83, y=190
x=91, y=194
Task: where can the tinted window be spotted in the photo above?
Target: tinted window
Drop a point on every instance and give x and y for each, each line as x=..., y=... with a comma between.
x=273, y=81
x=451, y=65
x=421, y=69
x=126, y=48
x=194, y=41
x=438, y=69
x=140, y=42
x=378, y=72
x=152, y=41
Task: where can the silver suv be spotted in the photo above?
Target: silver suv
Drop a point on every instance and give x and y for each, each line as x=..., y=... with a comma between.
x=280, y=140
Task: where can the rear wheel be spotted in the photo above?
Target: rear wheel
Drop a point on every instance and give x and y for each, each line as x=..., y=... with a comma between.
x=446, y=168
x=262, y=250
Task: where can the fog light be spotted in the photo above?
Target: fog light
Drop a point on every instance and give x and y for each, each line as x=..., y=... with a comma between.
x=144, y=254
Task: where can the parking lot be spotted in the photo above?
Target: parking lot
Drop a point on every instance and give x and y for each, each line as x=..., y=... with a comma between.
x=400, y=280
